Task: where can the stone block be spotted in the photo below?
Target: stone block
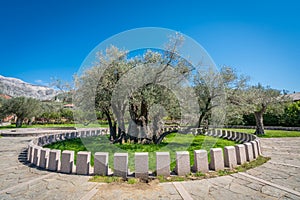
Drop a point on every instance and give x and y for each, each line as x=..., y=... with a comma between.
x=200, y=161
x=67, y=162
x=258, y=147
x=240, y=150
x=219, y=133
x=121, y=164
x=238, y=136
x=82, y=134
x=249, y=151
x=88, y=133
x=183, y=166
x=93, y=133
x=214, y=133
x=224, y=134
x=242, y=138
x=40, y=143
x=248, y=137
x=216, y=159
x=44, y=158
x=233, y=135
x=44, y=140
x=98, y=132
x=101, y=163
x=61, y=136
x=77, y=133
x=141, y=165
x=36, y=155
x=30, y=153
x=68, y=135
x=54, y=160
x=229, y=135
x=50, y=139
x=254, y=147
x=230, y=157
x=163, y=163
x=83, y=162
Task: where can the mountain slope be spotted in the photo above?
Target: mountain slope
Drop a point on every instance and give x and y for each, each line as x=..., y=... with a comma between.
x=16, y=87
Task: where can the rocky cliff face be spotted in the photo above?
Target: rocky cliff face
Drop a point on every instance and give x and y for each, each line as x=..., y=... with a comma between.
x=16, y=87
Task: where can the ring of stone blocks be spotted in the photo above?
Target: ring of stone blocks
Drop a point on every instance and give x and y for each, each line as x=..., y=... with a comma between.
x=55, y=160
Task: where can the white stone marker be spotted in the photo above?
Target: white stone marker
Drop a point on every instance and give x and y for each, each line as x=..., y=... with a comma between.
x=254, y=147
x=219, y=133
x=230, y=157
x=238, y=136
x=36, y=155
x=224, y=133
x=229, y=134
x=240, y=154
x=200, y=161
x=121, y=164
x=67, y=162
x=242, y=137
x=233, y=135
x=258, y=147
x=183, y=166
x=249, y=151
x=141, y=165
x=83, y=162
x=44, y=158
x=162, y=163
x=216, y=159
x=29, y=153
x=101, y=163
x=54, y=160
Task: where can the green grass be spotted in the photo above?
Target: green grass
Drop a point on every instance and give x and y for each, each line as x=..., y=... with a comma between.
x=271, y=133
x=198, y=175
x=192, y=176
x=106, y=179
x=172, y=143
x=249, y=165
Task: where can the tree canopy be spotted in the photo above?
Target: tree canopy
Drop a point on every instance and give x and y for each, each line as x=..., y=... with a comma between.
x=22, y=107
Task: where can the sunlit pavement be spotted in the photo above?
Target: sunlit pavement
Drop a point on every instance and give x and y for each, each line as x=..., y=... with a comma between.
x=277, y=179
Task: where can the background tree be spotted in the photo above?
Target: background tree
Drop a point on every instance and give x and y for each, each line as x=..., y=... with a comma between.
x=291, y=116
x=22, y=107
x=212, y=87
x=257, y=100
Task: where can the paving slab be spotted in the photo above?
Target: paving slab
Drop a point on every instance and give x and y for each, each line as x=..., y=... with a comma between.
x=277, y=179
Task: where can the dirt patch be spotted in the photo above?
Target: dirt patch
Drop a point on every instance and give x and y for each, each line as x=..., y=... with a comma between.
x=151, y=185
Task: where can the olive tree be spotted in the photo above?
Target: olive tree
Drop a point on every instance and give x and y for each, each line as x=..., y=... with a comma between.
x=257, y=100
x=213, y=89
x=22, y=107
x=134, y=93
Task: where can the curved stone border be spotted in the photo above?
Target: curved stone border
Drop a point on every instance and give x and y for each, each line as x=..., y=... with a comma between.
x=55, y=160
x=283, y=128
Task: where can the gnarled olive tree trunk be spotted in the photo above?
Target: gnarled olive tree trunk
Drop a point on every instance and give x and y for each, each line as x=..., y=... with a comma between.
x=19, y=122
x=260, y=130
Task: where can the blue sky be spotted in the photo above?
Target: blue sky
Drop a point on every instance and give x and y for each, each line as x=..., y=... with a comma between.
x=43, y=39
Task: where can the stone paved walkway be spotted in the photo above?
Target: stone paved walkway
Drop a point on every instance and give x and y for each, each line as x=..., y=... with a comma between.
x=277, y=179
